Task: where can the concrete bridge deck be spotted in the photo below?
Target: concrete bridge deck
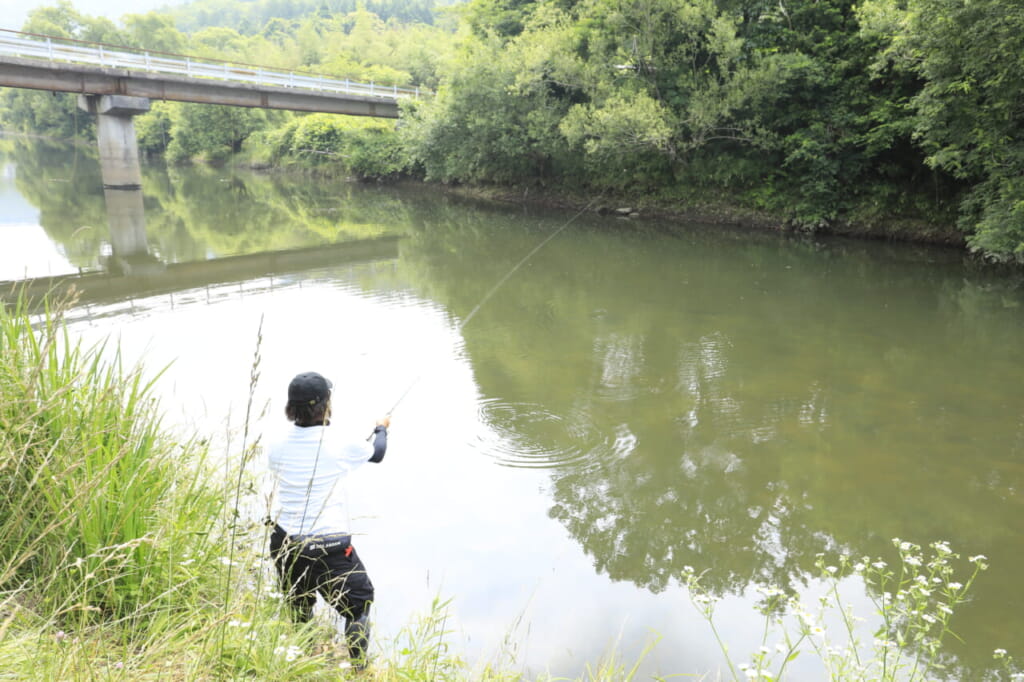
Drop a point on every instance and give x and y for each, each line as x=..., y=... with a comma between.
x=44, y=63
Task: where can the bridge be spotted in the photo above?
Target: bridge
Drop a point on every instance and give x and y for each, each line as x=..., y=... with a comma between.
x=94, y=69
x=117, y=83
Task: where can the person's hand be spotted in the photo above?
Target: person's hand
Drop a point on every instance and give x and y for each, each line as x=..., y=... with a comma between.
x=384, y=421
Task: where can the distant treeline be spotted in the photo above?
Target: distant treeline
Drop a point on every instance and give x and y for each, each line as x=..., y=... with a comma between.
x=252, y=16
x=907, y=114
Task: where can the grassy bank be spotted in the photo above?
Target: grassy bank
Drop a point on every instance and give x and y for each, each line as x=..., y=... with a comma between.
x=124, y=553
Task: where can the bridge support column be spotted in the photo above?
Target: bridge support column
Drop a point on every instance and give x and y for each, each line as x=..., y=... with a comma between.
x=119, y=150
x=122, y=176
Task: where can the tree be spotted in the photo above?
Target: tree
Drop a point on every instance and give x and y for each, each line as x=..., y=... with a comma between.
x=969, y=112
x=211, y=131
x=154, y=31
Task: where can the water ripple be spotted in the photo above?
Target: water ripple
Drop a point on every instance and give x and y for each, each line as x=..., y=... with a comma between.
x=525, y=435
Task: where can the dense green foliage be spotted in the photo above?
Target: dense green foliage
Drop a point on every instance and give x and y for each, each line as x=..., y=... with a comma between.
x=773, y=102
x=970, y=57
x=816, y=112
x=98, y=507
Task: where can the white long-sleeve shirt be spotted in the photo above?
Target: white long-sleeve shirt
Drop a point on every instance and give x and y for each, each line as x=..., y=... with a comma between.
x=309, y=465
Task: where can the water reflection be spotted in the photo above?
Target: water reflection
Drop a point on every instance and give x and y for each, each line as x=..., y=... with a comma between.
x=740, y=406
x=696, y=397
x=158, y=241
x=127, y=220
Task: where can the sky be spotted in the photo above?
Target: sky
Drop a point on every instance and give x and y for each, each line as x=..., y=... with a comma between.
x=14, y=12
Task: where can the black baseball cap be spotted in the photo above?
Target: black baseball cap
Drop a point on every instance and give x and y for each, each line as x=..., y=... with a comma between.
x=309, y=388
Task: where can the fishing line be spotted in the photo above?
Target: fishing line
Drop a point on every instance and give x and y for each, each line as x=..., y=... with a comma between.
x=487, y=296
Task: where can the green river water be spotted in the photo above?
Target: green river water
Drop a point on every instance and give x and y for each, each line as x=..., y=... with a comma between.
x=639, y=397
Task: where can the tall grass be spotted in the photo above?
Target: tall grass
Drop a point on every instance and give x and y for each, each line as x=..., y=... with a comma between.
x=98, y=508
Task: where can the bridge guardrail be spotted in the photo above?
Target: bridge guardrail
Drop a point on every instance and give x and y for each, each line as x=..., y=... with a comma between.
x=154, y=62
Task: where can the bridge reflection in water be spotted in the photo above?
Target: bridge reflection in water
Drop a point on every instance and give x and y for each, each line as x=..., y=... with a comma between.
x=131, y=271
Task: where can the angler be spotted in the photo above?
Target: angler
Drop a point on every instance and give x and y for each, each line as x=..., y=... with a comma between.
x=311, y=543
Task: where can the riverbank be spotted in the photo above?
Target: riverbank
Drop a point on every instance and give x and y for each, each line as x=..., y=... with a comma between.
x=696, y=207
x=894, y=229
x=125, y=556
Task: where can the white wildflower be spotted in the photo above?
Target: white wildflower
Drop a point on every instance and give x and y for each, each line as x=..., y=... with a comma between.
x=977, y=558
x=954, y=586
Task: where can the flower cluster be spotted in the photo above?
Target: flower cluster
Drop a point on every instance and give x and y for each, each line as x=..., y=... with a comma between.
x=290, y=652
x=915, y=599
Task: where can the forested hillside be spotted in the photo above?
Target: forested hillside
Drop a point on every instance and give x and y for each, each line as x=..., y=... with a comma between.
x=818, y=113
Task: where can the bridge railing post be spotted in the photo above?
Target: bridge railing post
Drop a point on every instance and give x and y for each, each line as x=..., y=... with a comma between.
x=148, y=65
x=188, y=66
x=101, y=55
x=49, y=49
x=371, y=87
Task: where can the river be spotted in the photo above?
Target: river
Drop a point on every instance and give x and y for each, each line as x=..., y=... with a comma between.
x=641, y=396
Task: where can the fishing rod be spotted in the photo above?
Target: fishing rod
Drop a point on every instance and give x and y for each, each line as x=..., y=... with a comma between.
x=487, y=296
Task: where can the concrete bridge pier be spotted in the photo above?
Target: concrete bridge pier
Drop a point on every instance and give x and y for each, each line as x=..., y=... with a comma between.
x=122, y=178
x=119, y=150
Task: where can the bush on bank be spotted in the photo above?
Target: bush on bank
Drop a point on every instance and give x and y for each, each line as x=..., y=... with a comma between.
x=366, y=148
